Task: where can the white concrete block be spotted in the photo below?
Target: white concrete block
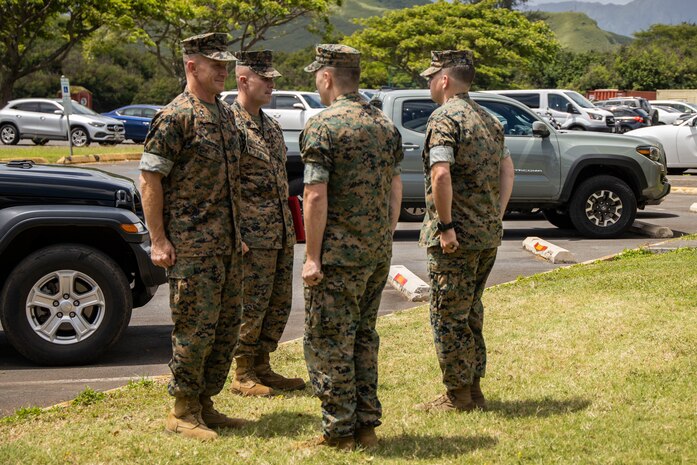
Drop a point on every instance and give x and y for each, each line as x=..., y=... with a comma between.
x=693, y=208
x=411, y=286
x=548, y=251
x=650, y=230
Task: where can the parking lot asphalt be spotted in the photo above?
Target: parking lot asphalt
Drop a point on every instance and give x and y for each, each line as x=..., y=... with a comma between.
x=144, y=350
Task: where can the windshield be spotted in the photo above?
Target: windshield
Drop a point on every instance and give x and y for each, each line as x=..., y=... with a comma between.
x=80, y=109
x=579, y=99
x=313, y=100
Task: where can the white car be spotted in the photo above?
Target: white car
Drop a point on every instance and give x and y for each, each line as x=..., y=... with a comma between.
x=683, y=107
x=667, y=115
x=42, y=119
x=679, y=141
x=290, y=108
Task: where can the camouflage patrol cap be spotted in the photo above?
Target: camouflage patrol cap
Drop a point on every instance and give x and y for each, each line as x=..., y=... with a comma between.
x=441, y=59
x=336, y=56
x=259, y=62
x=212, y=45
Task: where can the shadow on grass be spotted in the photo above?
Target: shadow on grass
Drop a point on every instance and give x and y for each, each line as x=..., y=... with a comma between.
x=537, y=408
x=430, y=447
x=286, y=424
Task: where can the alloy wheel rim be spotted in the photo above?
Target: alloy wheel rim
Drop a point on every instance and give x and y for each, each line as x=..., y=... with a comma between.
x=65, y=307
x=604, y=208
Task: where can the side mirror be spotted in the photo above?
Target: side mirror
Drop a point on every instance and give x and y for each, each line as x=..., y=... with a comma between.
x=299, y=106
x=540, y=129
x=570, y=108
x=58, y=112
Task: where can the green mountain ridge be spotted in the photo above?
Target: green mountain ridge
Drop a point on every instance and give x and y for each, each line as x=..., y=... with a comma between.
x=575, y=31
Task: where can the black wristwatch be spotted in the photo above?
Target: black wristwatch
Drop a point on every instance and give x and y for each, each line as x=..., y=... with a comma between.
x=444, y=227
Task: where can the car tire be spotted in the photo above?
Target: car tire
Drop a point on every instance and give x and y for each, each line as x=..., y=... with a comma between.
x=80, y=137
x=51, y=329
x=577, y=128
x=676, y=171
x=9, y=134
x=39, y=140
x=412, y=214
x=624, y=129
x=558, y=218
x=603, y=207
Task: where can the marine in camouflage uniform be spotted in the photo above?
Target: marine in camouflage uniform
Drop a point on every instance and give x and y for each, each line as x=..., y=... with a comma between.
x=470, y=141
x=267, y=229
x=192, y=154
x=353, y=150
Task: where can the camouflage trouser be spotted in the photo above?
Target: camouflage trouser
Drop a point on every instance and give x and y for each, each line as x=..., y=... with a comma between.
x=268, y=297
x=457, y=314
x=206, y=302
x=341, y=345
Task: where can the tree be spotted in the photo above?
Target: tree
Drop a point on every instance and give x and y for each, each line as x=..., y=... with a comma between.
x=37, y=34
x=509, y=4
x=663, y=57
x=507, y=47
x=247, y=21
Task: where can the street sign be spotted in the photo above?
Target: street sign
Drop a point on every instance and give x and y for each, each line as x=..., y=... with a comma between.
x=67, y=110
x=65, y=92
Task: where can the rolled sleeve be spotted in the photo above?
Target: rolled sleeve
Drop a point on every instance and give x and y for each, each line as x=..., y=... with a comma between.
x=155, y=163
x=315, y=174
x=440, y=154
x=316, y=146
x=505, y=153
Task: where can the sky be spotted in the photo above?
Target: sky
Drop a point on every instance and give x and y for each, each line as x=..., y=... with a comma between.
x=616, y=2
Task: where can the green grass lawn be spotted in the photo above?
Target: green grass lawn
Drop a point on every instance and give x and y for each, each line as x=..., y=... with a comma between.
x=591, y=364
x=52, y=153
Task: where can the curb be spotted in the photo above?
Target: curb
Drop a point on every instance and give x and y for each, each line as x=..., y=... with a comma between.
x=683, y=190
x=75, y=159
x=411, y=286
x=37, y=160
x=651, y=230
x=693, y=208
x=548, y=251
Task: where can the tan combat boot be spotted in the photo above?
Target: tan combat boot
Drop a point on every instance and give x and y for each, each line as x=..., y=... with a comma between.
x=268, y=377
x=185, y=419
x=365, y=437
x=343, y=443
x=246, y=382
x=477, y=394
x=214, y=419
x=457, y=399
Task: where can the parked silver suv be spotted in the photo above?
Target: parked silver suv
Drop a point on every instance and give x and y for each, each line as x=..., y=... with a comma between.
x=42, y=119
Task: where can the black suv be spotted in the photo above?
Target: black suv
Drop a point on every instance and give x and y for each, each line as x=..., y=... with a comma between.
x=75, y=258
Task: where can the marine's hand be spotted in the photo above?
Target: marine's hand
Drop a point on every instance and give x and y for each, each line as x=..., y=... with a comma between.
x=312, y=273
x=448, y=241
x=162, y=253
x=245, y=249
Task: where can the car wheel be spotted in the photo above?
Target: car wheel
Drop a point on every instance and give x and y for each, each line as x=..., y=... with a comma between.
x=39, y=140
x=65, y=305
x=80, y=137
x=138, y=141
x=412, y=214
x=577, y=128
x=624, y=129
x=603, y=207
x=9, y=134
x=558, y=218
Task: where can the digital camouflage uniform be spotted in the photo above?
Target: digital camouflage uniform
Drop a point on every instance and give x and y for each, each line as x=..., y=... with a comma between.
x=266, y=223
x=197, y=151
x=355, y=149
x=458, y=279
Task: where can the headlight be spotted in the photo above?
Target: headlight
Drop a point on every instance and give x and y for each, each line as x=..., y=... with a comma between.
x=595, y=117
x=653, y=153
x=97, y=125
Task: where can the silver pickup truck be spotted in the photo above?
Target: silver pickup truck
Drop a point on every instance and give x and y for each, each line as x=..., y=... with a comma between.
x=592, y=182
